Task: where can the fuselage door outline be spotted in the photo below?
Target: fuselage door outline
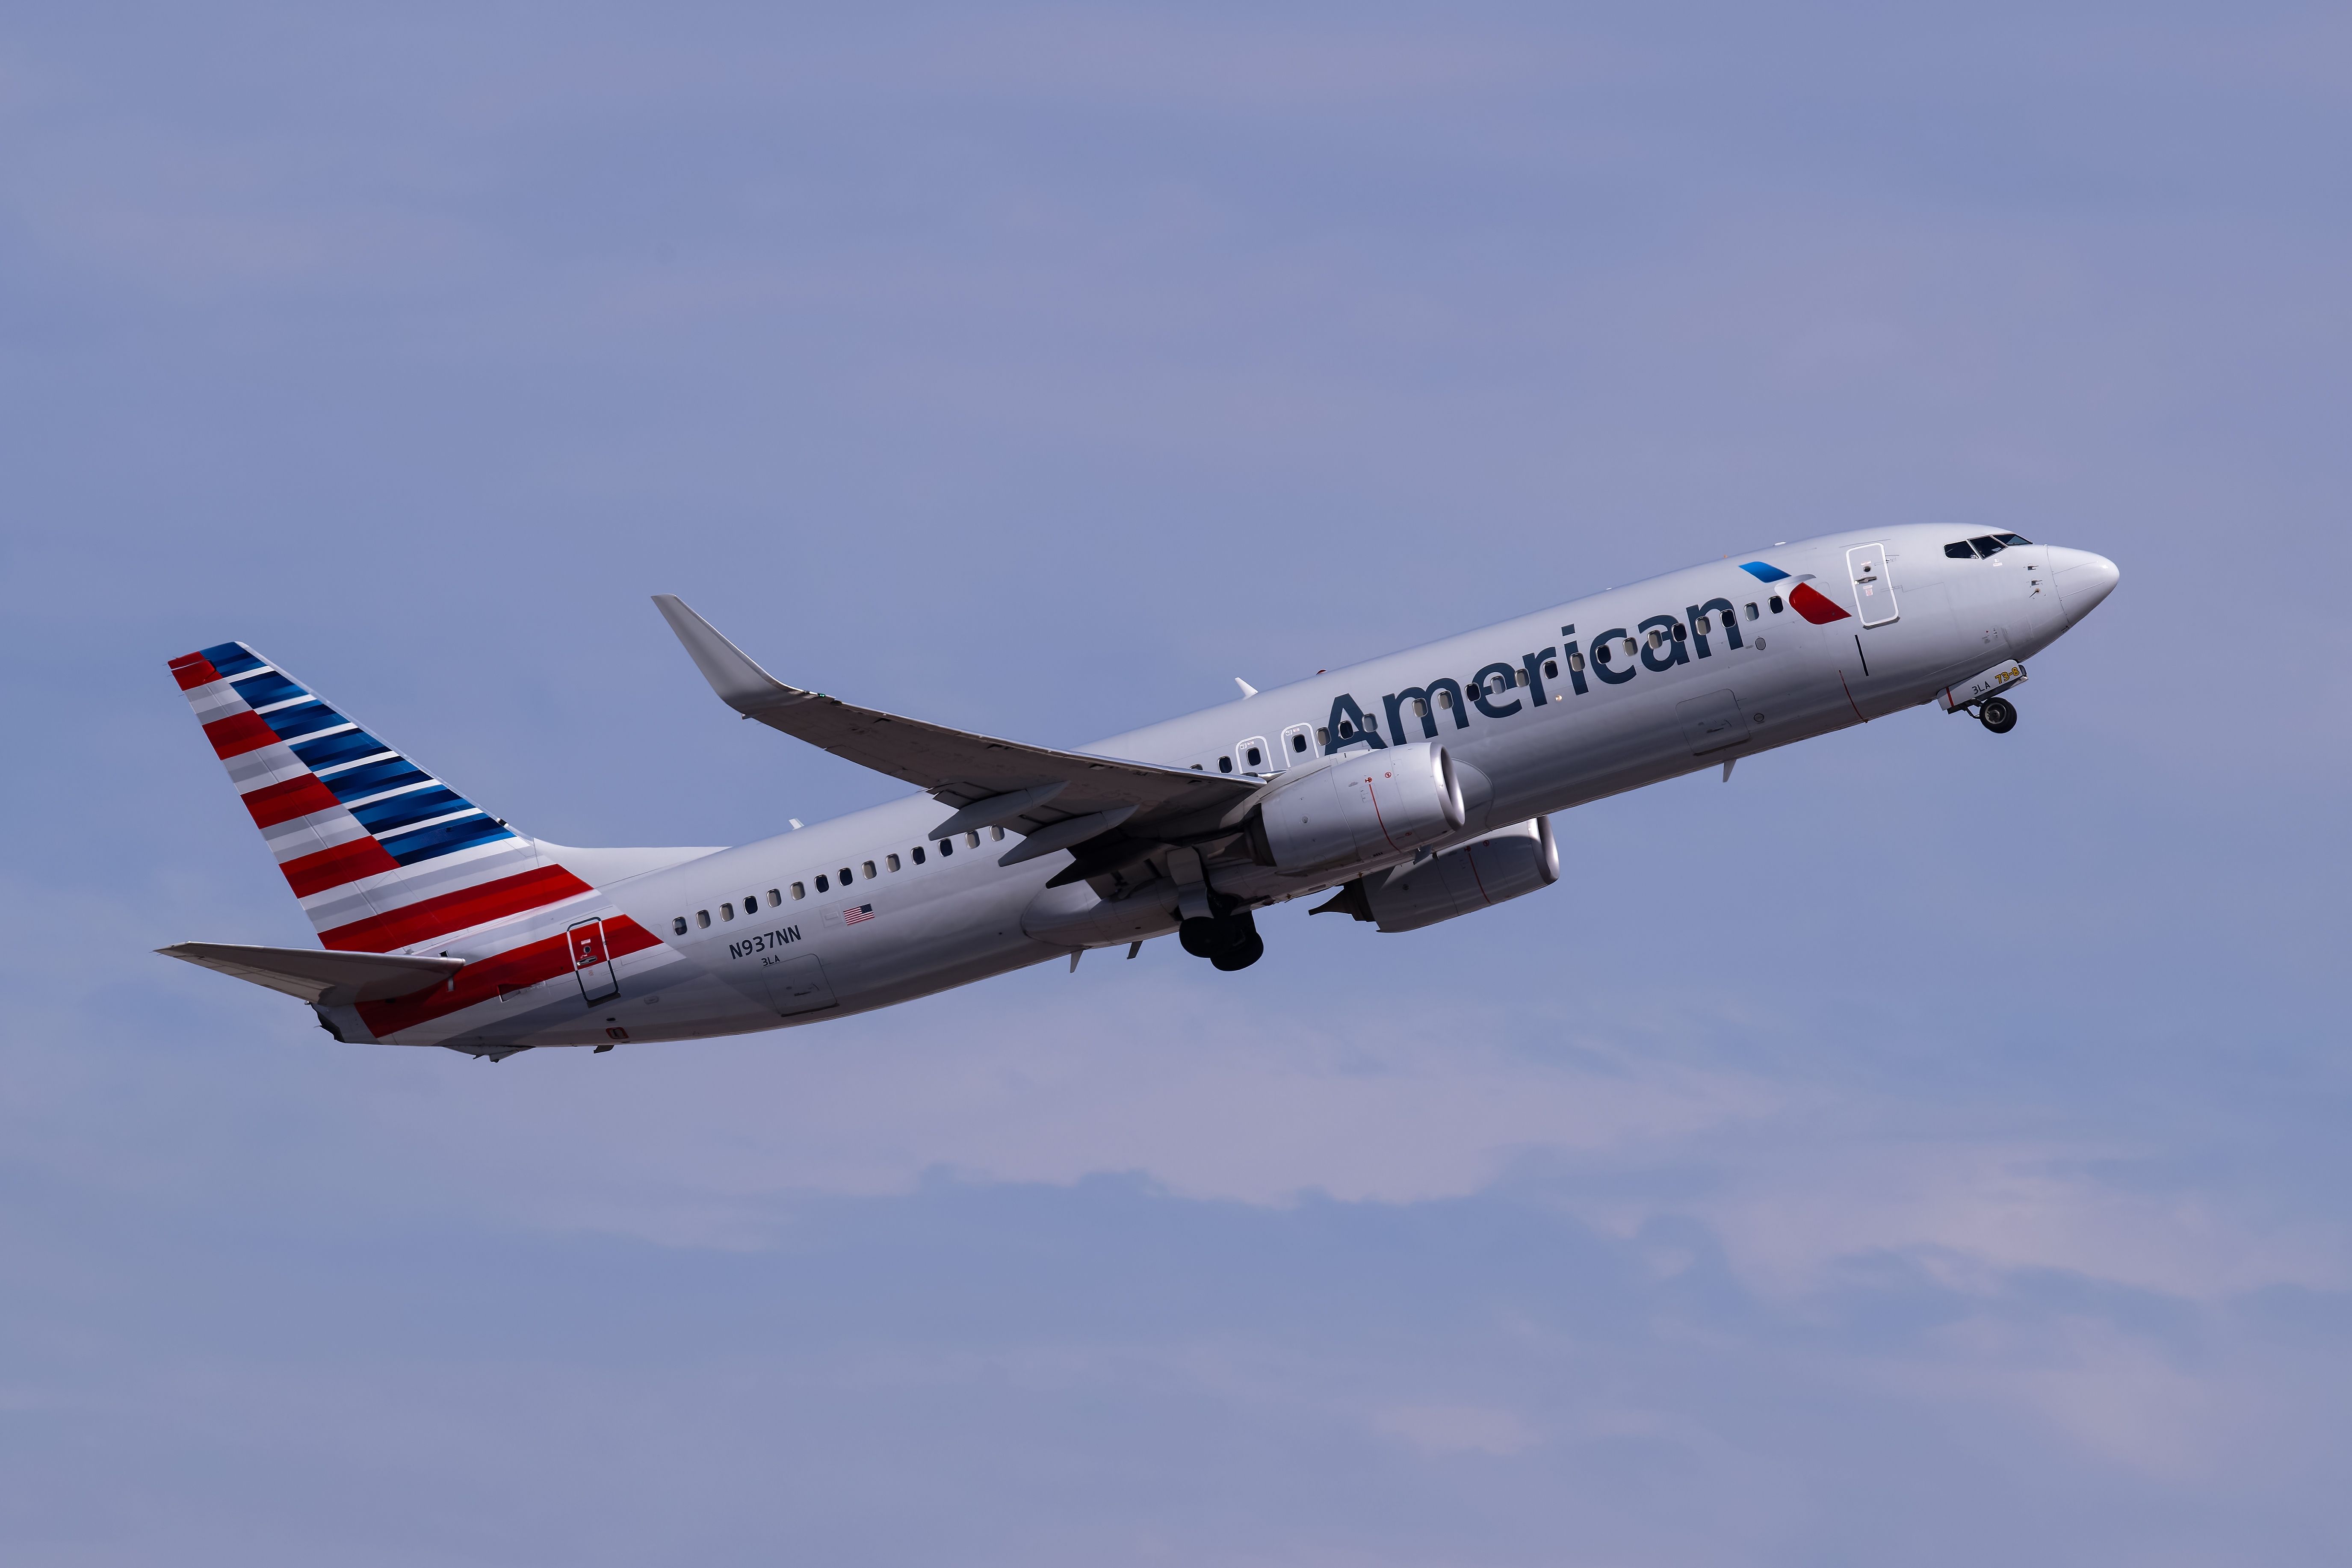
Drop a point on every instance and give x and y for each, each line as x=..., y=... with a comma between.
x=1874, y=591
x=592, y=962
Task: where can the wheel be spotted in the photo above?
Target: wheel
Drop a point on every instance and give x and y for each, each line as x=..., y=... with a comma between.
x=1204, y=938
x=1243, y=956
x=1212, y=938
x=1998, y=714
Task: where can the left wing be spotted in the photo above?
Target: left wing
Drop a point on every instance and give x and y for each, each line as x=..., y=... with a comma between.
x=1057, y=800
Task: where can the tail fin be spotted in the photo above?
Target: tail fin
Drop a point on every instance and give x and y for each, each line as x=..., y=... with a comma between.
x=381, y=854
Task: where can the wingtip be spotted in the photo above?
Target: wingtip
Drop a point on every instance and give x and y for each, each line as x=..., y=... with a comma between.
x=734, y=674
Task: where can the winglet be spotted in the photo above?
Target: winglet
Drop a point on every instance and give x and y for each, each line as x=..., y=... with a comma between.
x=741, y=684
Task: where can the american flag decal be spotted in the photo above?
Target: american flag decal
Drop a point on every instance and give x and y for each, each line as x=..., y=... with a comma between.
x=851, y=916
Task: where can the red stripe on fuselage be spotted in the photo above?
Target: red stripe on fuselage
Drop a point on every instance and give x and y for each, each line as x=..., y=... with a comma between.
x=237, y=734
x=1813, y=606
x=333, y=868
x=546, y=959
x=274, y=804
x=194, y=669
x=429, y=918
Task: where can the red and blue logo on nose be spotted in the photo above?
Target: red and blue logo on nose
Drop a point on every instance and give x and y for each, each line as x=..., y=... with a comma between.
x=1803, y=598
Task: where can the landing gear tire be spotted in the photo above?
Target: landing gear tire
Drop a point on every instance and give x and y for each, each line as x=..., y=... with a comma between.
x=1998, y=714
x=1220, y=937
x=1241, y=957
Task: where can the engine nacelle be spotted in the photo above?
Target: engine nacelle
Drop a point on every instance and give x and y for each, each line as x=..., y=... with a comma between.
x=1500, y=865
x=1361, y=806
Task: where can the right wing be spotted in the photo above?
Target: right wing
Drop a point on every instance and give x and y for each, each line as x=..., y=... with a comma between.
x=1057, y=800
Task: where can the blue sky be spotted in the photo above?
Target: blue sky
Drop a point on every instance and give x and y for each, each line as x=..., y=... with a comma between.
x=1926, y=1148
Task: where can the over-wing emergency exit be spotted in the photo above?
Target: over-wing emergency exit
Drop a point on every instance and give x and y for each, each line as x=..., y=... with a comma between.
x=1410, y=789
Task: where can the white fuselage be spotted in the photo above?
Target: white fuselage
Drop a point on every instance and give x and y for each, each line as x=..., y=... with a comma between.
x=1545, y=742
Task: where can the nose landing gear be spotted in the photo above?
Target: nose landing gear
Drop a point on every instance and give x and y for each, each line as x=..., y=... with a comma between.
x=1998, y=714
x=1227, y=942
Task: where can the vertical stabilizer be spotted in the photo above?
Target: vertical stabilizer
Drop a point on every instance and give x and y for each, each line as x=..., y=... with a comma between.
x=383, y=854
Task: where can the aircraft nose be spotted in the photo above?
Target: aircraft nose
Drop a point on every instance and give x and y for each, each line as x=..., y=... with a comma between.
x=2084, y=580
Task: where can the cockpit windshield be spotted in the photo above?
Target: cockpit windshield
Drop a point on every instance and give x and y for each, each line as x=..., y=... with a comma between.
x=1986, y=545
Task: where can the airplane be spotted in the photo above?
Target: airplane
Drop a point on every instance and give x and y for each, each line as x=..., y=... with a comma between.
x=1412, y=788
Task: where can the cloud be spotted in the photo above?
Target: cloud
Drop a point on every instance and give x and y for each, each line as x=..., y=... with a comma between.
x=1456, y=1428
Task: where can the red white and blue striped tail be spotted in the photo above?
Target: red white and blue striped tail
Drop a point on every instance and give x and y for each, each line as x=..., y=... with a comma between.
x=383, y=854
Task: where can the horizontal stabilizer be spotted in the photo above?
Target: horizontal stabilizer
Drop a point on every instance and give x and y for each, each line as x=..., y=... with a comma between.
x=333, y=979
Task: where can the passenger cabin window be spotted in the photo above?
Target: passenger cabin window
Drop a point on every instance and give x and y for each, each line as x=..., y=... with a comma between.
x=1630, y=649
x=726, y=911
x=678, y=925
x=1600, y=652
x=775, y=900
x=1774, y=601
x=1225, y=765
x=997, y=834
x=1752, y=609
x=752, y=904
x=868, y=866
x=1444, y=701
x=1322, y=735
x=1551, y=670
x=1521, y=678
x=1576, y=662
x=947, y=847
x=800, y=889
x=1704, y=627
x=1297, y=743
x=702, y=918
x=822, y=885
x=1257, y=758
x=971, y=839
x=1680, y=635
x=845, y=877
x=919, y=854
x=893, y=861
x=1420, y=708
x=1657, y=637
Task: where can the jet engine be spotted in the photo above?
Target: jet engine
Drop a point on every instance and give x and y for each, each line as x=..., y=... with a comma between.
x=1487, y=870
x=1361, y=806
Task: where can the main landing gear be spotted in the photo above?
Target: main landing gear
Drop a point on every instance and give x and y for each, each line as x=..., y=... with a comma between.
x=1227, y=942
x=1998, y=714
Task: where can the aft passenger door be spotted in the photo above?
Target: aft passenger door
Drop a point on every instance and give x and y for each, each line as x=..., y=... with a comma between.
x=591, y=964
